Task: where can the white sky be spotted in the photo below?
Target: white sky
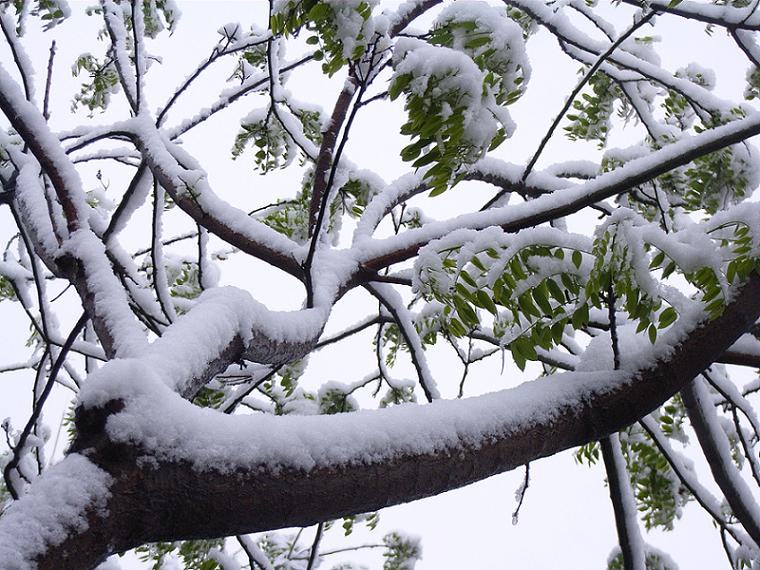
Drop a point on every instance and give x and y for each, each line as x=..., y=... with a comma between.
x=566, y=520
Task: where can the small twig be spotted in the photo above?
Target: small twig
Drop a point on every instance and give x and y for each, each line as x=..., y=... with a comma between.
x=315, y=546
x=48, y=83
x=520, y=494
x=57, y=365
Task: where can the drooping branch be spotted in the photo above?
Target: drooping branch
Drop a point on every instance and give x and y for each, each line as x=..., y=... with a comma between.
x=629, y=535
x=714, y=443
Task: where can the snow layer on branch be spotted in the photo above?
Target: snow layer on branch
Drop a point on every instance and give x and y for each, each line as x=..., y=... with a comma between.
x=48, y=144
x=187, y=177
x=186, y=348
x=574, y=196
x=110, y=299
x=170, y=428
x=54, y=507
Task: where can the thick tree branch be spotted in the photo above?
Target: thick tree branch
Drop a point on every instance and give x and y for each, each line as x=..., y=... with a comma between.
x=169, y=499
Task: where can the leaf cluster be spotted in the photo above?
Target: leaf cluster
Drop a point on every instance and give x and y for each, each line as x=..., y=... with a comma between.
x=326, y=23
x=193, y=553
x=272, y=142
x=590, y=119
x=401, y=552
x=103, y=81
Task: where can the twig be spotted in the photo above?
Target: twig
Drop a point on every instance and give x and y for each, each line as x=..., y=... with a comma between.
x=315, y=546
x=13, y=463
x=520, y=493
x=48, y=82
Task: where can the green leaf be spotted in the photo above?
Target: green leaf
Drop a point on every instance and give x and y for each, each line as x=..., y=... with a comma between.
x=539, y=295
x=466, y=312
x=580, y=317
x=667, y=317
x=577, y=259
x=486, y=301
x=555, y=291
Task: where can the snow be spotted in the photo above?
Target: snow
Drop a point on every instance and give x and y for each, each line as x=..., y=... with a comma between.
x=55, y=506
x=170, y=428
x=219, y=316
x=626, y=498
x=109, y=298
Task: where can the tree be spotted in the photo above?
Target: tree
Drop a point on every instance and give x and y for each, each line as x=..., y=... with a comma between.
x=190, y=423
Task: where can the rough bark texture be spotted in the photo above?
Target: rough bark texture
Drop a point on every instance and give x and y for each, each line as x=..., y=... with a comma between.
x=172, y=501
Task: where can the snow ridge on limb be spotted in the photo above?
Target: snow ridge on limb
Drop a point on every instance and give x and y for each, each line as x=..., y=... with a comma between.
x=55, y=508
x=186, y=182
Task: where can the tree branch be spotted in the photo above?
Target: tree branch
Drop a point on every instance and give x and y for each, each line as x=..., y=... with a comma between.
x=169, y=499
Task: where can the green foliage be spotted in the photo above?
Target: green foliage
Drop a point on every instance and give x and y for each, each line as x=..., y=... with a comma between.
x=504, y=77
x=370, y=519
x=209, y=397
x=398, y=395
x=452, y=125
x=273, y=143
x=401, y=552
x=327, y=24
x=456, y=108
x=291, y=217
x=590, y=119
x=193, y=553
x=672, y=417
x=68, y=422
x=531, y=293
x=715, y=180
x=615, y=269
x=51, y=12
x=654, y=560
x=526, y=23
x=158, y=16
x=392, y=340
x=658, y=492
x=6, y=290
x=354, y=196
x=184, y=279
x=588, y=453
x=103, y=81
x=752, y=90
x=285, y=394
x=335, y=401
x=280, y=549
